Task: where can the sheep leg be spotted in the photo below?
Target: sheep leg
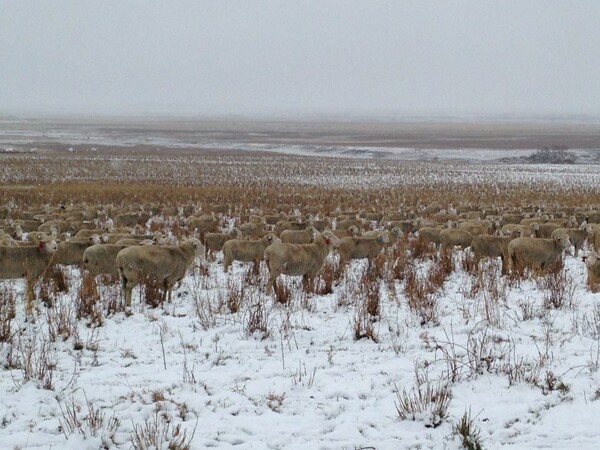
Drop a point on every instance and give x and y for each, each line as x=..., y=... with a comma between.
x=307, y=282
x=256, y=268
x=503, y=265
x=127, y=286
x=271, y=283
x=29, y=298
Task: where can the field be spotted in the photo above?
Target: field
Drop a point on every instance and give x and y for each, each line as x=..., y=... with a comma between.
x=421, y=350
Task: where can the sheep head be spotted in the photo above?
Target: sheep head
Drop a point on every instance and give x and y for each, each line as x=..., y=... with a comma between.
x=562, y=241
x=49, y=247
x=330, y=239
x=591, y=259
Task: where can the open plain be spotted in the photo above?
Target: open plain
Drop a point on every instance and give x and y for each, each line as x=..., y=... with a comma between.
x=422, y=347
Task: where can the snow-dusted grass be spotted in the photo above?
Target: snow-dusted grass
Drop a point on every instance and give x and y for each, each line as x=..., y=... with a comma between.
x=197, y=372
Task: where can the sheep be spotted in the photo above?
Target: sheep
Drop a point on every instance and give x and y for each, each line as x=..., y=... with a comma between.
x=544, y=230
x=132, y=239
x=393, y=235
x=305, y=236
x=93, y=239
x=592, y=263
x=7, y=241
x=347, y=223
x=321, y=225
x=28, y=225
x=28, y=262
x=577, y=236
x=407, y=226
x=166, y=264
x=272, y=219
x=101, y=259
x=593, y=236
x=85, y=233
x=204, y=224
x=299, y=259
x=455, y=237
x=213, y=242
x=281, y=226
x=61, y=225
x=350, y=232
x=250, y=229
x=15, y=231
x=486, y=246
x=70, y=253
x=517, y=229
x=536, y=253
x=430, y=234
x=132, y=219
x=244, y=250
x=363, y=246
x=476, y=227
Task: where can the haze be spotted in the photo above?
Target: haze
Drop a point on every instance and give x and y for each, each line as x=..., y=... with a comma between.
x=275, y=58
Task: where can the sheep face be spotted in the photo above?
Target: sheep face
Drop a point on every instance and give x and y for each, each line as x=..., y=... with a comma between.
x=49, y=247
x=196, y=245
x=330, y=239
x=562, y=241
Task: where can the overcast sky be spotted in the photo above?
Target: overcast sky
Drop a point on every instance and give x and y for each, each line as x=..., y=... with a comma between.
x=300, y=57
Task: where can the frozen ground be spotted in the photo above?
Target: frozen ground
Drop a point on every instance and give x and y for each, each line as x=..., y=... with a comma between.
x=308, y=383
x=481, y=141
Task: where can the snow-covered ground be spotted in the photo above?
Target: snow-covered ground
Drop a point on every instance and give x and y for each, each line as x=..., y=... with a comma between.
x=527, y=374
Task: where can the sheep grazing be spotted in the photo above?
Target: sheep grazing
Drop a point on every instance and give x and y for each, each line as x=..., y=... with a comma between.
x=592, y=263
x=362, y=247
x=244, y=250
x=28, y=262
x=485, y=246
x=102, y=259
x=166, y=264
x=536, y=253
x=305, y=236
x=213, y=242
x=299, y=259
x=455, y=237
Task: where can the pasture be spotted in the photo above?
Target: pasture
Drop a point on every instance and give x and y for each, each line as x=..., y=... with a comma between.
x=424, y=349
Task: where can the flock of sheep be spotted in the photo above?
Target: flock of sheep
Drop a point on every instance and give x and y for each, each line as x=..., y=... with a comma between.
x=118, y=242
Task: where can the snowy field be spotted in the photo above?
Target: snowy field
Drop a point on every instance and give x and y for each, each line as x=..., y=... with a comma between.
x=294, y=376
x=226, y=365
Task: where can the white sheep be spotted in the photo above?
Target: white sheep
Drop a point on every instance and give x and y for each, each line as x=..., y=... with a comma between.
x=27, y=262
x=305, y=236
x=244, y=250
x=299, y=259
x=166, y=264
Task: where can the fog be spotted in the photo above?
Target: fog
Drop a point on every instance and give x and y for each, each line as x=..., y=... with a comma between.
x=277, y=58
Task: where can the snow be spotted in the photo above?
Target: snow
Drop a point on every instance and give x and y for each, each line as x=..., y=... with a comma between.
x=309, y=384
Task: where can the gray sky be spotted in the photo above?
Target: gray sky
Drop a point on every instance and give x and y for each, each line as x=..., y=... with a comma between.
x=300, y=57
